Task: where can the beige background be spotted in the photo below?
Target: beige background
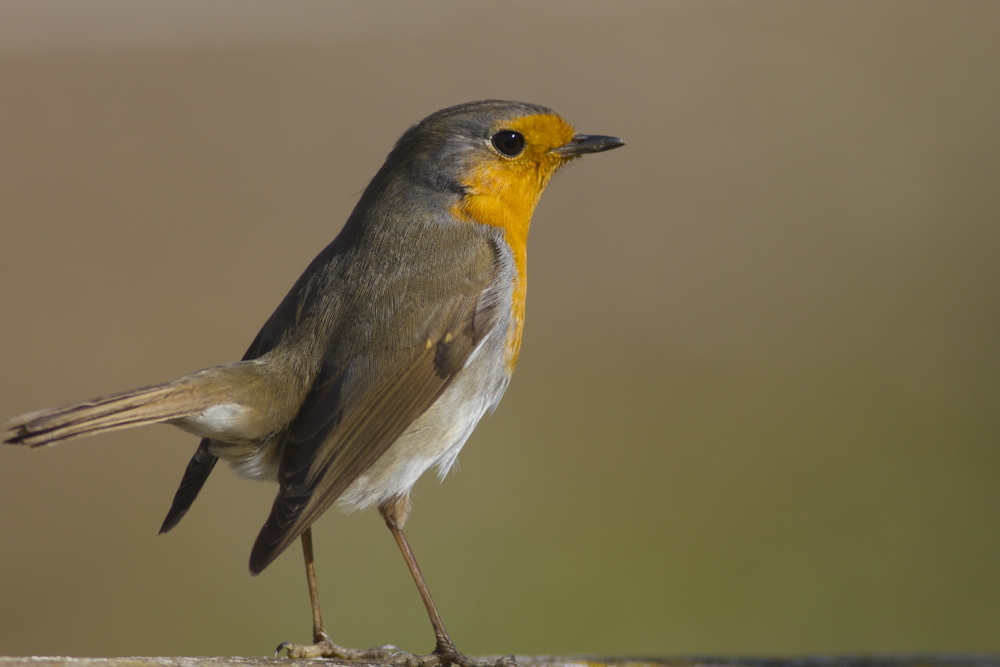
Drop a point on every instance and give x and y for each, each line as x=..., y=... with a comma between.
x=757, y=404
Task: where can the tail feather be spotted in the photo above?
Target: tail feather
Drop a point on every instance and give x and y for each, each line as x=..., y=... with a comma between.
x=149, y=405
x=216, y=403
x=195, y=475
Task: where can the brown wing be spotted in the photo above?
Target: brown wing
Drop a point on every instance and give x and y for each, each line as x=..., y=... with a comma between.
x=360, y=406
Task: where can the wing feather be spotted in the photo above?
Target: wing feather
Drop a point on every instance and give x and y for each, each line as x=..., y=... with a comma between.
x=360, y=406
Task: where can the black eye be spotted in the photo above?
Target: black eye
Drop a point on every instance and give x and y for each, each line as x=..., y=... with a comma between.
x=508, y=142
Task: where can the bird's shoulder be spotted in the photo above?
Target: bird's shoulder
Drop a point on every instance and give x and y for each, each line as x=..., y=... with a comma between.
x=392, y=286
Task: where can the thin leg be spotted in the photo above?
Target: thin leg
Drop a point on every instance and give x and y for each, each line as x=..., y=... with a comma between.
x=445, y=653
x=322, y=646
x=319, y=632
x=444, y=644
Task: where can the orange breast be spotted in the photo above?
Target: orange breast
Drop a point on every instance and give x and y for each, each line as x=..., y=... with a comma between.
x=503, y=192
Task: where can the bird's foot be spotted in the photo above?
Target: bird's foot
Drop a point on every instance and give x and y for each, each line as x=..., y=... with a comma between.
x=448, y=656
x=324, y=648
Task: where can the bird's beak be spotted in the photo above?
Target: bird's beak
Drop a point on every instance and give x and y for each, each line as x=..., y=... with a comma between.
x=587, y=143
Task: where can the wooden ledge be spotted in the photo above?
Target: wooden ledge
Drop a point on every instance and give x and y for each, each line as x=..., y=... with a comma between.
x=537, y=661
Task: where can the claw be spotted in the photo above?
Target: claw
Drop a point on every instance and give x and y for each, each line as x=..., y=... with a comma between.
x=443, y=656
x=327, y=649
x=448, y=658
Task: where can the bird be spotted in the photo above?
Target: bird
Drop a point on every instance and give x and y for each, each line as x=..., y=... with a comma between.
x=384, y=355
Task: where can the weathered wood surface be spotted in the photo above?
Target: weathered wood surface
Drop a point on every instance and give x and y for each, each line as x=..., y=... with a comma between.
x=535, y=661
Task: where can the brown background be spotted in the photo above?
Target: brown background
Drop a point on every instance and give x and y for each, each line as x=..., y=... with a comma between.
x=757, y=403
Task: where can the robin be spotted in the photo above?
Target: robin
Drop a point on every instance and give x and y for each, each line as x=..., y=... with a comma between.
x=384, y=355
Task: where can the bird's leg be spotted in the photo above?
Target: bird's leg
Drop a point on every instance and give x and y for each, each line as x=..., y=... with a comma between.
x=322, y=646
x=319, y=632
x=445, y=653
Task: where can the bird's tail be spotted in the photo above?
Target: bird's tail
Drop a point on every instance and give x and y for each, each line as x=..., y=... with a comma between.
x=166, y=402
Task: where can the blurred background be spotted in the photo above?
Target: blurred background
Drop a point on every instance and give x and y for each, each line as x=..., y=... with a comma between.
x=757, y=409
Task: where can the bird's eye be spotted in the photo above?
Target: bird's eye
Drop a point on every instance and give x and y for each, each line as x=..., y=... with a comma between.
x=508, y=142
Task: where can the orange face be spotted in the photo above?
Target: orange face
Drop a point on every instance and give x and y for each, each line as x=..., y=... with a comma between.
x=502, y=191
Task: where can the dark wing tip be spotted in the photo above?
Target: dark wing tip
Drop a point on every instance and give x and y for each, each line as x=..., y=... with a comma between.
x=283, y=526
x=263, y=553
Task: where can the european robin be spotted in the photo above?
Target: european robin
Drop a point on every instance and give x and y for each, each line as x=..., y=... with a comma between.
x=386, y=352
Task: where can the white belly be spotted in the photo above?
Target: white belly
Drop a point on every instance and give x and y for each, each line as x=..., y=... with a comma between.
x=436, y=437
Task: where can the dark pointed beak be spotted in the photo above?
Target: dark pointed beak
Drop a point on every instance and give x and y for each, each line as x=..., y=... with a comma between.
x=588, y=143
